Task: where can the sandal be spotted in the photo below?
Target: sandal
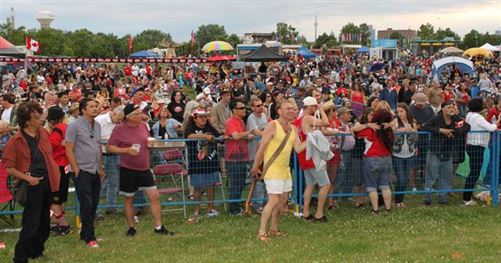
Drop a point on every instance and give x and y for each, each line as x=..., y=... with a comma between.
x=308, y=218
x=277, y=233
x=263, y=237
x=359, y=205
x=194, y=219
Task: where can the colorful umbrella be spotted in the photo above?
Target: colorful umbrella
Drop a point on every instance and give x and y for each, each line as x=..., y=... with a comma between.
x=217, y=46
x=477, y=51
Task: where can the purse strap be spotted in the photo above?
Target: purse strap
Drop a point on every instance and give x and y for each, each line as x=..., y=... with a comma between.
x=278, y=150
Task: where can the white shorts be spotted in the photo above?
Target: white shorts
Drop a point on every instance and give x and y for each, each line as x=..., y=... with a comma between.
x=277, y=186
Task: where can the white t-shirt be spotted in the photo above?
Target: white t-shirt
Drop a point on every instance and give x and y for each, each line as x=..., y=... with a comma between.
x=259, y=123
x=6, y=115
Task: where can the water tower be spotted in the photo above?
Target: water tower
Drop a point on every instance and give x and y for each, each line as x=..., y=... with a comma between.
x=45, y=18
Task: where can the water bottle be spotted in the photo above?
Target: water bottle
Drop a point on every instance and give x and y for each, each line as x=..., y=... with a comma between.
x=493, y=119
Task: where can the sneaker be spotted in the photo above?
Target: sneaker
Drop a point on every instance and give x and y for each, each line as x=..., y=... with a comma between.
x=427, y=202
x=111, y=211
x=131, y=232
x=375, y=212
x=414, y=189
x=309, y=218
x=65, y=230
x=323, y=219
x=92, y=244
x=136, y=219
x=99, y=217
x=212, y=213
x=259, y=210
x=470, y=203
x=164, y=231
x=400, y=205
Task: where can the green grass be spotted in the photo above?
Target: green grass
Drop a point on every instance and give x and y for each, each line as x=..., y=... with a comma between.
x=412, y=234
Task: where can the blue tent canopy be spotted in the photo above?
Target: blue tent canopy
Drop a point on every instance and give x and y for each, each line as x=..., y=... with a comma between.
x=144, y=54
x=363, y=49
x=306, y=53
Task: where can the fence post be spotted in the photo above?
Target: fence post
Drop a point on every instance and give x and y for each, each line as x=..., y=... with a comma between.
x=495, y=169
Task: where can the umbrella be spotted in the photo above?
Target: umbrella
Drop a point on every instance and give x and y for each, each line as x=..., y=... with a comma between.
x=216, y=46
x=451, y=50
x=222, y=58
x=376, y=67
x=144, y=54
x=477, y=51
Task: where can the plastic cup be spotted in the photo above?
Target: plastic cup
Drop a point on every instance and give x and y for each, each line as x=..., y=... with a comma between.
x=136, y=147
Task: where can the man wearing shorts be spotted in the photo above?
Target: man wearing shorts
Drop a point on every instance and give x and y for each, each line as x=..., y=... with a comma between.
x=312, y=176
x=277, y=178
x=130, y=140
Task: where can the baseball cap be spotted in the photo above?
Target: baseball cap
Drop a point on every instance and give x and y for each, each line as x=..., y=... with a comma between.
x=55, y=113
x=309, y=101
x=207, y=90
x=343, y=110
x=130, y=108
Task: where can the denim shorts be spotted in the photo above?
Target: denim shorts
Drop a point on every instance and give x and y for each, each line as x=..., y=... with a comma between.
x=204, y=180
x=314, y=176
x=377, y=172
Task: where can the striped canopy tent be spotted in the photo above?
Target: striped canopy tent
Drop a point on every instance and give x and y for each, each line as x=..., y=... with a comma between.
x=7, y=49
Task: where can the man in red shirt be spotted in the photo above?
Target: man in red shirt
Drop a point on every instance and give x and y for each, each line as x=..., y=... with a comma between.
x=237, y=153
x=75, y=94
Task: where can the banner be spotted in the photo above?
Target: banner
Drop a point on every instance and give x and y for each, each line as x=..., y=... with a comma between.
x=105, y=60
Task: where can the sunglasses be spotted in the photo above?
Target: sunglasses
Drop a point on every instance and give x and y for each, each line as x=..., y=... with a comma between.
x=239, y=108
x=259, y=105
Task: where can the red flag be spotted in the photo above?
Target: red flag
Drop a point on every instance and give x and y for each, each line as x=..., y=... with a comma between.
x=32, y=45
x=129, y=44
x=192, y=40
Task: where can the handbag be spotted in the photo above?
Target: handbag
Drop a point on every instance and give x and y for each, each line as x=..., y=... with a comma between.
x=21, y=193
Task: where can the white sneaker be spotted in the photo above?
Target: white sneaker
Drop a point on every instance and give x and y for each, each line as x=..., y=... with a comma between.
x=414, y=189
x=470, y=203
x=212, y=213
x=136, y=219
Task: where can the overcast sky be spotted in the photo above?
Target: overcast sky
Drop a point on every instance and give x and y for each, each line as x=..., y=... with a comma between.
x=180, y=17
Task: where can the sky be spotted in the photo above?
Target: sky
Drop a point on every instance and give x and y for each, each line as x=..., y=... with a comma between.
x=180, y=17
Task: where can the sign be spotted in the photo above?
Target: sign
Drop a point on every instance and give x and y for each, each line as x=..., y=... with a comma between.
x=384, y=43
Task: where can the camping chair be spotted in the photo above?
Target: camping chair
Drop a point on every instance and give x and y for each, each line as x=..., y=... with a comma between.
x=176, y=173
x=7, y=202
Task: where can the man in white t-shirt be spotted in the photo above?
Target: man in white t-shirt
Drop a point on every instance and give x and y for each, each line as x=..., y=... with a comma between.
x=8, y=111
x=108, y=121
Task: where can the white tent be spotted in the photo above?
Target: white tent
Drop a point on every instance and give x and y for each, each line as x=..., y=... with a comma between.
x=490, y=47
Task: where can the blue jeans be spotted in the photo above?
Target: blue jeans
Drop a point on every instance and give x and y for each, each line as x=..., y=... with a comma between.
x=237, y=172
x=112, y=170
x=441, y=170
x=259, y=193
x=402, y=167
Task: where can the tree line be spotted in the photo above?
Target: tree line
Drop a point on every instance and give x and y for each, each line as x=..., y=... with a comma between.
x=85, y=43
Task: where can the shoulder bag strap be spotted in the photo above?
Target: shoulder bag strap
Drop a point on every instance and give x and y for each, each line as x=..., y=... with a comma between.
x=279, y=149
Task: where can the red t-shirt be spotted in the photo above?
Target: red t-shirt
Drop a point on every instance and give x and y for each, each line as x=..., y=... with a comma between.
x=58, y=151
x=236, y=150
x=493, y=111
x=76, y=95
x=303, y=163
x=374, y=146
x=124, y=136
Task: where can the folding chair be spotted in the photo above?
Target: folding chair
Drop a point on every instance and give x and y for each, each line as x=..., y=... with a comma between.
x=7, y=202
x=176, y=173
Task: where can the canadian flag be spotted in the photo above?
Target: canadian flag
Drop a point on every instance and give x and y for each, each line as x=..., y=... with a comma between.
x=32, y=45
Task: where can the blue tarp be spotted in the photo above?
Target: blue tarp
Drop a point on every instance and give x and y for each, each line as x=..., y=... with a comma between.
x=363, y=49
x=144, y=54
x=306, y=53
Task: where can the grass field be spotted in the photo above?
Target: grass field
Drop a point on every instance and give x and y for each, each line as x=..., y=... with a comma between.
x=412, y=234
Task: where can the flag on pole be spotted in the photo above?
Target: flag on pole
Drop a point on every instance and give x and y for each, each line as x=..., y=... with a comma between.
x=192, y=40
x=129, y=44
x=32, y=45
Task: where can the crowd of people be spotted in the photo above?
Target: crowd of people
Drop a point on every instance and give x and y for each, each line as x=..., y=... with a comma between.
x=351, y=127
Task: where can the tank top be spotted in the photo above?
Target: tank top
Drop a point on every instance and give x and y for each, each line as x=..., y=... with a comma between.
x=303, y=163
x=280, y=168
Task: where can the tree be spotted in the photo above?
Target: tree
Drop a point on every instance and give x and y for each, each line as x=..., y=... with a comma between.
x=365, y=34
x=234, y=40
x=399, y=37
x=471, y=39
x=443, y=33
x=349, y=30
x=325, y=40
x=149, y=39
x=287, y=34
x=16, y=36
x=426, y=32
x=208, y=33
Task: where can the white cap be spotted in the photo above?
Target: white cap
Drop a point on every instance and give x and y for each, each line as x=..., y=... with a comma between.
x=310, y=101
x=206, y=90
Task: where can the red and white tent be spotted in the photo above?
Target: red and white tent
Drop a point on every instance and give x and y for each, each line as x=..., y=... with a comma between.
x=9, y=50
